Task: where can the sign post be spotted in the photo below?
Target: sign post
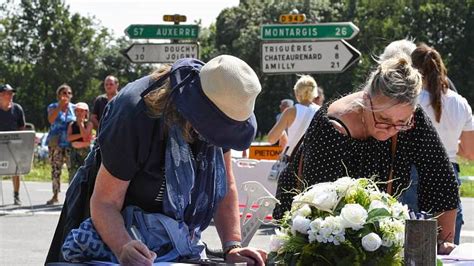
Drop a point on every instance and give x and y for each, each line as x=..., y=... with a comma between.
x=320, y=31
x=142, y=31
x=160, y=52
x=307, y=57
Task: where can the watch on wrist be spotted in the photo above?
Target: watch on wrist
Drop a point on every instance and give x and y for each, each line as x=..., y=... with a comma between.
x=227, y=249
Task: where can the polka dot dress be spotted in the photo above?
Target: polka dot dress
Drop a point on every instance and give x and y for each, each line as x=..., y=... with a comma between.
x=329, y=155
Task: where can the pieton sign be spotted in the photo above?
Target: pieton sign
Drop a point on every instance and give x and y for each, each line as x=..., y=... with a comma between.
x=320, y=31
x=141, y=31
x=160, y=52
x=265, y=152
x=307, y=57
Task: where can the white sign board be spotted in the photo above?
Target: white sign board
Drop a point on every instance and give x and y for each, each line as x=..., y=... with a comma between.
x=307, y=57
x=160, y=52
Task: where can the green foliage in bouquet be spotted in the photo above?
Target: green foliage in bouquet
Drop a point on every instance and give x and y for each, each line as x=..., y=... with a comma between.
x=346, y=222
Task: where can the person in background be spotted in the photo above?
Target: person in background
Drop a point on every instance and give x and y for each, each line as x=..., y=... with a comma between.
x=296, y=119
x=111, y=86
x=284, y=104
x=12, y=118
x=319, y=100
x=449, y=112
x=378, y=132
x=60, y=114
x=404, y=47
x=79, y=133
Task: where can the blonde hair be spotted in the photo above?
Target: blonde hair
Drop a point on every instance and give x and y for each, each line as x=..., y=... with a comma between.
x=159, y=104
x=305, y=88
x=396, y=79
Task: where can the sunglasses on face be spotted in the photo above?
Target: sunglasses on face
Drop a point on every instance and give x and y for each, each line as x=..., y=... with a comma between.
x=381, y=125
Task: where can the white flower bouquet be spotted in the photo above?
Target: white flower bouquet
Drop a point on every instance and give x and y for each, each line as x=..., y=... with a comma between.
x=346, y=222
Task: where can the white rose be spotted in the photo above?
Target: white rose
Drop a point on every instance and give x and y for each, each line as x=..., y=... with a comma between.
x=325, y=196
x=353, y=216
x=377, y=204
x=371, y=242
x=303, y=210
x=300, y=224
x=342, y=184
x=306, y=196
x=400, y=210
x=277, y=240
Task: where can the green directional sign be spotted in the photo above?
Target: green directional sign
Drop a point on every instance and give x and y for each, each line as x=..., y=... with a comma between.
x=136, y=31
x=320, y=31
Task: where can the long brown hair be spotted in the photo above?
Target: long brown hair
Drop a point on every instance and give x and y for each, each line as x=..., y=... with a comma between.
x=159, y=105
x=429, y=63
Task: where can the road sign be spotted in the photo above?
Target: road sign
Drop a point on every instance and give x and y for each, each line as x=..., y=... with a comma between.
x=174, y=18
x=320, y=31
x=265, y=152
x=307, y=57
x=160, y=52
x=136, y=31
x=292, y=18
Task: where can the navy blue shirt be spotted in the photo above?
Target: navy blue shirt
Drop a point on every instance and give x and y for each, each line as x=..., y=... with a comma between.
x=132, y=146
x=13, y=119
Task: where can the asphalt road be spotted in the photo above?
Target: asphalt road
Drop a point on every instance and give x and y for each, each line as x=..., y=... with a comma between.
x=25, y=236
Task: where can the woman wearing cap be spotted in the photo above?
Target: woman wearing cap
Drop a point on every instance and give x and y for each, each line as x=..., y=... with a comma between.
x=162, y=140
x=60, y=114
x=379, y=131
x=79, y=133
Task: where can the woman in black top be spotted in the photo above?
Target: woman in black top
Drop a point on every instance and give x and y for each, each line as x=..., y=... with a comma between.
x=371, y=132
x=79, y=133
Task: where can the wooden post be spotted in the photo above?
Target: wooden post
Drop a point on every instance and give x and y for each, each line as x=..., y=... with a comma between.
x=420, y=242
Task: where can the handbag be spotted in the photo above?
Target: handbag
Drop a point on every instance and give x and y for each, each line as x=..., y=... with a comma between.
x=168, y=238
x=284, y=159
x=279, y=165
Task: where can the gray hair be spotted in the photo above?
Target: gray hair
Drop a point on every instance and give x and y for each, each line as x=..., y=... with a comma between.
x=288, y=102
x=396, y=79
x=398, y=47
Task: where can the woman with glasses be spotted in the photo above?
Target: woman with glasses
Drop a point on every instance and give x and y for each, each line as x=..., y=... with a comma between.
x=60, y=114
x=378, y=132
x=449, y=112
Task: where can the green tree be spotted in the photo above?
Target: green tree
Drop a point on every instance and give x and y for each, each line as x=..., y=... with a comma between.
x=46, y=46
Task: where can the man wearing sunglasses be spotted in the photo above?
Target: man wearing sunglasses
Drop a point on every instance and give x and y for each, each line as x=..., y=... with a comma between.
x=12, y=118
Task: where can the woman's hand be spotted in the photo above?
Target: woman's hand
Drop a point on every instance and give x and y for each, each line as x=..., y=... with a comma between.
x=445, y=248
x=252, y=256
x=136, y=253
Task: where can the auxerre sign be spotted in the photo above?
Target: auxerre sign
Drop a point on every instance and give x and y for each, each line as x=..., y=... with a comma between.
x=160, y=52
x=140, y=31
x=307, y=57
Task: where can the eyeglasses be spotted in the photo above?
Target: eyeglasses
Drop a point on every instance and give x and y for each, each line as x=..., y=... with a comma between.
x=381, y=125
x=66, y=92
